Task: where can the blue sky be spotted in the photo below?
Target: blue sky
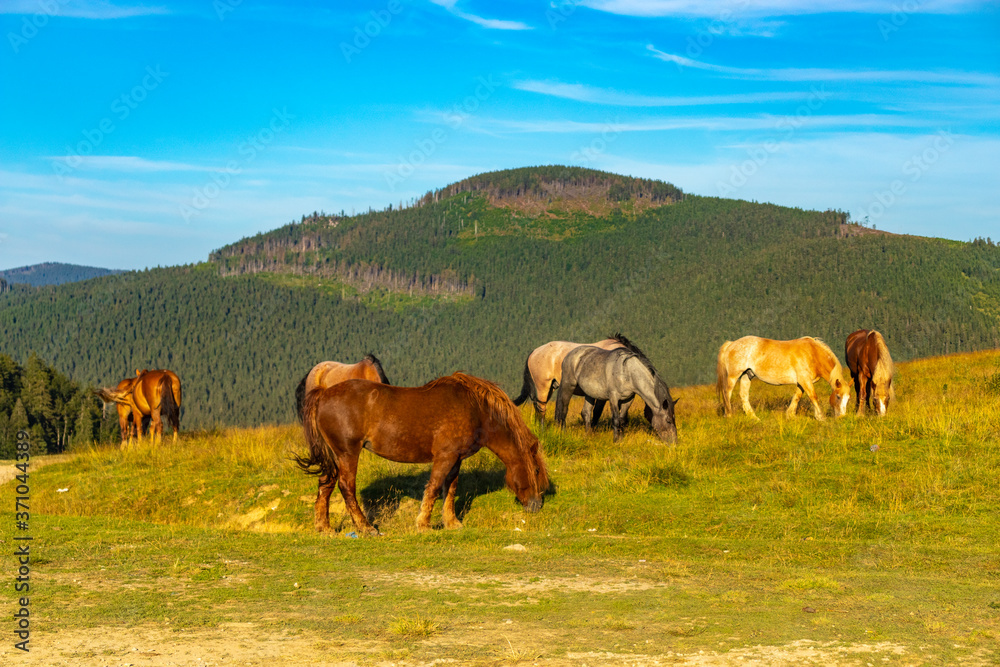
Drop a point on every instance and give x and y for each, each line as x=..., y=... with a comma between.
x=144, y=134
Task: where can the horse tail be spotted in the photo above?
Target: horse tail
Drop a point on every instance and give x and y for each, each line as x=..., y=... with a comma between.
x=112, y=395
x=528, y=389
x=300, y=396
x=169, y=408
x=374, y=361
x=493, y=401
x=320, y=460
x=722, y=378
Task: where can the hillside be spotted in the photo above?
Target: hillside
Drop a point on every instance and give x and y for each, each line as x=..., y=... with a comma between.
x=475, y=275
x=52, y=273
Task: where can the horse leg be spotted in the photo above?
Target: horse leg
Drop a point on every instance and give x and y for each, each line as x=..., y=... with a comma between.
x=587, y=414
x=861, y=386
x=616, y=420
x=810, y=391
x=562, y=403
x=347, y=472
x=745, y=396
x=137, y=421
x=623, y=411
x=439, y=473
x=544, y=393
x=321, y=509
x=451, y=484
x=794, y=405
x=157, y=426
x=598, y=409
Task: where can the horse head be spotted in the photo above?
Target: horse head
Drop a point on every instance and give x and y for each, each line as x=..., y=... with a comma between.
x=839, y=397
x=528, y=478
x=662, y=420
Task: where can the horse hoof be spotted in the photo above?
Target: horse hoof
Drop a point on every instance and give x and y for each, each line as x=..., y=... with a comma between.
x=453, y=525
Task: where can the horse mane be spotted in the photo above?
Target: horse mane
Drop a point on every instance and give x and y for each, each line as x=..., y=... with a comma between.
x=373, y=360
x=884, y=367
x=634, y=350
x=495, y=402
x=837, y=369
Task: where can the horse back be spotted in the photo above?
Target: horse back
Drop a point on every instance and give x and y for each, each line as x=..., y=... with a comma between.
x=403, y=424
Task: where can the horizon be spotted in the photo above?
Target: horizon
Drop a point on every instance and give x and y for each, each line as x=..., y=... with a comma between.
x=149, y=135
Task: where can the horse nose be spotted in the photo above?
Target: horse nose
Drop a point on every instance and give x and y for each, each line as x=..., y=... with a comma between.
x=669, y=436
x=534, y=505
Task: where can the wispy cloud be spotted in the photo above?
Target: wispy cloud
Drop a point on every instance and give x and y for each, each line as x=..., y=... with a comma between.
x=80, y=9
x=717, y=124
x=697, y=8
x=128, y=163
x=821, y=74
x=492, y=24
x=584, y=93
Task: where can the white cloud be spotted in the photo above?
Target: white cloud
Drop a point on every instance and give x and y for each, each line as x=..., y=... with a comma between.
x=492, y=24
x=126, y=163
x=584, y=93
x=698, y=8
x=820, y=74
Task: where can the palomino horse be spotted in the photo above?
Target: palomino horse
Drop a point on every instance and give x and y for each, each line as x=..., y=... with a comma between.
x=543, y=370
x=800, y=362
x=155, y=394
x=442, y=423
x=328, y=373
x=869, y=362
x=616, y=376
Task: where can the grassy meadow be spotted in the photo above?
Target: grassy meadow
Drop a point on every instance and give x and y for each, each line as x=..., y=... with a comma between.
x=852, y=541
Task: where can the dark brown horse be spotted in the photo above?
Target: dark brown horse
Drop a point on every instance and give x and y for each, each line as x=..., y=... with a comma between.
x=328, y=373
x=869, y=362
x=155, y=394
x=442, y=423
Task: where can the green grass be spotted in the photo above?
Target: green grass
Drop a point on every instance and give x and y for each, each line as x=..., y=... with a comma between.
x=744, y=534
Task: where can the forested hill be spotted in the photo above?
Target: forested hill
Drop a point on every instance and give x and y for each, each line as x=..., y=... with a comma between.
x=52, y=273
x=475, y=275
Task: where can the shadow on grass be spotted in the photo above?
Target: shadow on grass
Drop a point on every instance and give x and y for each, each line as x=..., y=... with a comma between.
x=382, y=498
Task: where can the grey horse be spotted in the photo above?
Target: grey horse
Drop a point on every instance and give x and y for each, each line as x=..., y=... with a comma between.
x=615, y=377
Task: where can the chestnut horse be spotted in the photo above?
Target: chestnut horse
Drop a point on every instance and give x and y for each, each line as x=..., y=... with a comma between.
x=800, y=362
x=328, y=373
x=543, y=371
x=442, y=423
x=155, y=394
x=869, y=362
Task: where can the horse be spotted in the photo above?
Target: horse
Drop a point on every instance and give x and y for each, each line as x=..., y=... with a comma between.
x=800, y=362
x=616, y=376
x=443, y=422
x=543, y=370
x=328, y=373
x=151, y=393
x=871, y=366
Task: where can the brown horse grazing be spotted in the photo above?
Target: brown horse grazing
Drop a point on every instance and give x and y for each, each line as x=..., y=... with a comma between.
x=869, y=362
x=442, y=423
x=543, y=371
x=800, y=362
x=155, y=394
x=328, y=373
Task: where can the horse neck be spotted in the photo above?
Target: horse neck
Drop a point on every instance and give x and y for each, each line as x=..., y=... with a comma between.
x=644, y=382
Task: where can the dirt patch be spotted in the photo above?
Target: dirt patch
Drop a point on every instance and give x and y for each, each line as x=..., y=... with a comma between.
x=246, y=644
x=9, y=472
x=502, y=585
